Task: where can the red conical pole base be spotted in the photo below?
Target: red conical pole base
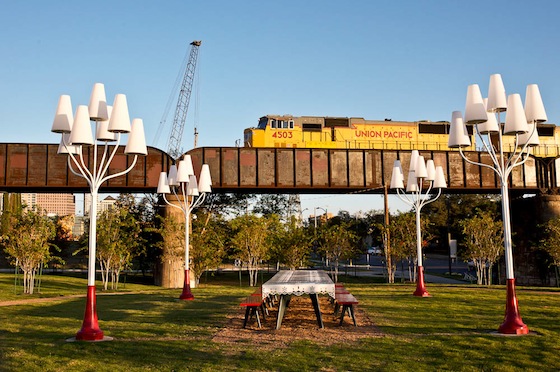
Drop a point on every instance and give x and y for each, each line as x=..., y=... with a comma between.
x=420, y=287
x=90, y=328
x=513, y=324
x=187, y=294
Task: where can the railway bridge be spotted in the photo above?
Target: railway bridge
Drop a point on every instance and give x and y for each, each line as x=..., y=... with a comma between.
x=38, y=168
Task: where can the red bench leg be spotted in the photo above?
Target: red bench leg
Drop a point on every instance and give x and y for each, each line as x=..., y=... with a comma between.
x=247, y=311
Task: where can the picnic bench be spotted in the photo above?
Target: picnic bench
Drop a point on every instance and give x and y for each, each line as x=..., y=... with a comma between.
x=347, y=300
x=253, y=304
x=288, y=283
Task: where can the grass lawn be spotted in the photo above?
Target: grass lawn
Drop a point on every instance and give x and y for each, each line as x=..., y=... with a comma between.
x=152, y=330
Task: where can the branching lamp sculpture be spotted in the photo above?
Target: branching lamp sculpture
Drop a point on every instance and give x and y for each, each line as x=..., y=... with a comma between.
x=189, y=194
x=420, y=173
x=521, y=127
x=77, y=141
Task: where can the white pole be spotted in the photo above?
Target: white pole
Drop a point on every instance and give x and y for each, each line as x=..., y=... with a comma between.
x=92, y=237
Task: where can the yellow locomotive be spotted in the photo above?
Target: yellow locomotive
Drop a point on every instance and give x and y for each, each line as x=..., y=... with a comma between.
x=359, y=133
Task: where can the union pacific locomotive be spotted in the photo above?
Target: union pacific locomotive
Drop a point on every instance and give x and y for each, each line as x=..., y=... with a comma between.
x=358, y=133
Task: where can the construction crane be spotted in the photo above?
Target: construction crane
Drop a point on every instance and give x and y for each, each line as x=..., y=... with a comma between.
x=176, y=134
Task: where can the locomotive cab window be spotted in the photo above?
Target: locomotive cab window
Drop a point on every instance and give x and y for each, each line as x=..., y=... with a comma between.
x=263, y=122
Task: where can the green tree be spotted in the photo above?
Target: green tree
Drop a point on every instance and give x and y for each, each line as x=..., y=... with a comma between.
x=403, y=241
x=269, y=204
x=484, y=243
x=450, y=208
x=252, y=241
x=292, y=244
x=118, y=241
x=231, y=205
x=336, y=242
x=27, y=244
x=551, y=243
x=209, y=235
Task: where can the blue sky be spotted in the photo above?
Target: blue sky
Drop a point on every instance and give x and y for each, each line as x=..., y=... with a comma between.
x=406, y=60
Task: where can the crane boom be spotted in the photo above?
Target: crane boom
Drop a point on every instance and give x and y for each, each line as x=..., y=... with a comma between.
x=176, y=135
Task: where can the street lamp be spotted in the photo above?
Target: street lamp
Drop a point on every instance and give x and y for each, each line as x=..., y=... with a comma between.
x=189, y=194
x=76, y=131
x=519, y=128
x=315, y=214
x=419, y=172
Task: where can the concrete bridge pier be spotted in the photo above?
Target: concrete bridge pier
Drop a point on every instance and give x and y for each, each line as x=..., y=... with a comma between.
x=171, y=268
x=528, y=214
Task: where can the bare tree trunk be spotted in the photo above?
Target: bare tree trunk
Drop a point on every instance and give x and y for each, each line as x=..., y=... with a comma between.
x=479, y=270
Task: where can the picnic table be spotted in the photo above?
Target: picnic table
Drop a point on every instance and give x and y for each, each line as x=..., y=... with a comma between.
x=287, y=283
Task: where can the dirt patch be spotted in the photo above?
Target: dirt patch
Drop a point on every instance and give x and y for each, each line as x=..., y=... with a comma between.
x=299, y=323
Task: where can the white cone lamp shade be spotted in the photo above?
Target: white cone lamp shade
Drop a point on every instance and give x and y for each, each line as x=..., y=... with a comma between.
x=497, y=101
x=490, y=125
x=534, y=107
x=531, y=138
x=475, y=112
x=439, y=181
x=120, y=120
x=185, y=169
x=516, y=122
x=63, y=119
x=98, y=103
x=412, y=182
x=397, y=177
x=81, y=129
x=172, y=177
x=413, y=160
x=103, y=133
x=431, y=169
x=65, y=147
x=205, y=180
x=163, y=184
x=420, y=169
x=458, y=135
x=136, y=144
x=192, y=186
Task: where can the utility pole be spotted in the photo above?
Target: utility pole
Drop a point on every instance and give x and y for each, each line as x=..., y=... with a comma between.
x=387, y=236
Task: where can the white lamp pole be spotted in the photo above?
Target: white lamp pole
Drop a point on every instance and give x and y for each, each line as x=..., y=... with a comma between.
x=110, y=124
x=521, y=126
x=189, y=194
x=315, y=214
x=419, y=171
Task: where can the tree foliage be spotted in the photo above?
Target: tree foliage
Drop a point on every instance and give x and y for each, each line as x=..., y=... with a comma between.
x=118, y=242
x=209, y=235
x=252, y=241
x=483, y=242
x=551, y=242
x=337, y=242
x=26, y=242
x=403, y=241
x=292, y=244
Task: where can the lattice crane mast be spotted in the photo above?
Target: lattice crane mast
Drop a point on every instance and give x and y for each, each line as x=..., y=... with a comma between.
x=176, y=134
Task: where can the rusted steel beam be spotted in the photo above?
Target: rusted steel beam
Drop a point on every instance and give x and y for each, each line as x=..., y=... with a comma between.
x=38, y=168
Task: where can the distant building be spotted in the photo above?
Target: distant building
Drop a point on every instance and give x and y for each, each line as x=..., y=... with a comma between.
x=79, y=226
x=102, y=205
x=53, y=204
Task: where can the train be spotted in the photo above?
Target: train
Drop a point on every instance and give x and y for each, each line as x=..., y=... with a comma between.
x=358, y=133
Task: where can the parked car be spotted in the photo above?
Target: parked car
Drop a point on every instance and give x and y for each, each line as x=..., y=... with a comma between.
x=375, y=251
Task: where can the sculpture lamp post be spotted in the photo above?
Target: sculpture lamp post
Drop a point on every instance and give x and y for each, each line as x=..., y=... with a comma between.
x=110, y=123
x=182, y=183
x=520, y=127
x=420, y=173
